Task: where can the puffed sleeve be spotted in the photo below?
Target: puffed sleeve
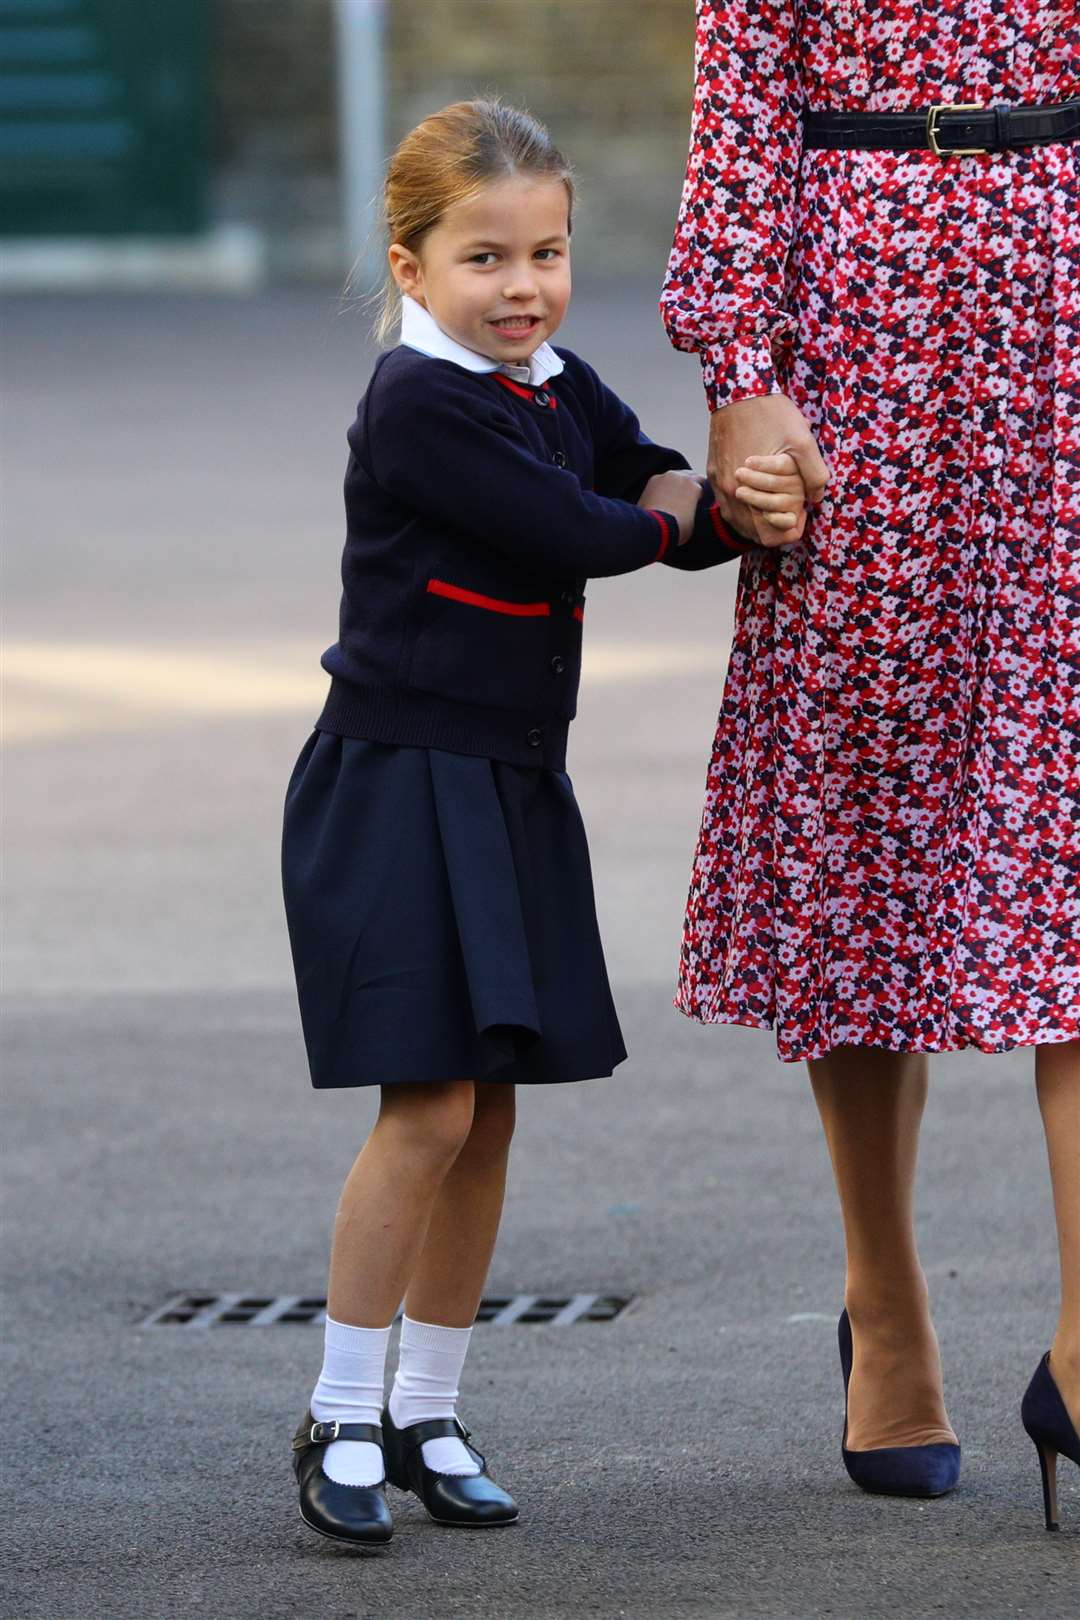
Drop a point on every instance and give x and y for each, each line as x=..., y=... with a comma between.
x=723, y=296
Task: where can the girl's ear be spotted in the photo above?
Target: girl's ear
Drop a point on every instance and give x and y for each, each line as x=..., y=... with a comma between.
x=405, y=269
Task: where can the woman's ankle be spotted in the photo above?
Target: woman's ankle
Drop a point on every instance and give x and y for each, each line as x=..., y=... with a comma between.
x=887, y=1306
x=1065, y=1371
x=1065, y=1358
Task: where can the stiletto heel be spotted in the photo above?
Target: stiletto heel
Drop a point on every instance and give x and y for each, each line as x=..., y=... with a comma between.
x=1046, y=1419
x=896, y=1470
x=1048, y=1465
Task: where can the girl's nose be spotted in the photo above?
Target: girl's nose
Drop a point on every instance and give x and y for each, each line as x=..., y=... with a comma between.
x=519, y=284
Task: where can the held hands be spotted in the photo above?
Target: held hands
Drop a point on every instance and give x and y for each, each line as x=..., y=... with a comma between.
x=769, y=486
x=738, y=434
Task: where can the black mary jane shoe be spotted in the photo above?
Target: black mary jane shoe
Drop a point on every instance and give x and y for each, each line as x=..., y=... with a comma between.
x=358, y=1514
x=469, y=1501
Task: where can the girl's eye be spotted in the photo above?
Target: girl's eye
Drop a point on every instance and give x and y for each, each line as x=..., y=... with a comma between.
x=547, y=253
x=481, y=258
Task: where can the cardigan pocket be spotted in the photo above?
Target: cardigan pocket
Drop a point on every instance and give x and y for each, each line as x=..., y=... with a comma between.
x=477, y=648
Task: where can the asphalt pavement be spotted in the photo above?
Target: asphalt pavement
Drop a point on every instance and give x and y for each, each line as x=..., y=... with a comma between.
x=174, y=526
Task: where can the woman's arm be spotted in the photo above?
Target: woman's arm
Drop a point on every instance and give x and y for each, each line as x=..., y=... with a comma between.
x=723, y=297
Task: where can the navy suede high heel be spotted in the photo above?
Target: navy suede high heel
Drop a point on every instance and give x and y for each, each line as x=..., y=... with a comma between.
x=1046, y=1419
x=896, y=1470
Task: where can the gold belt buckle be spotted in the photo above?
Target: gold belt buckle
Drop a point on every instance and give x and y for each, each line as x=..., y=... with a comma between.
x=932, y=118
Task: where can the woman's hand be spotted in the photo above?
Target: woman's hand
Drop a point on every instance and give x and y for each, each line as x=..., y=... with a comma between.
x=764, y=426
x=678, y=493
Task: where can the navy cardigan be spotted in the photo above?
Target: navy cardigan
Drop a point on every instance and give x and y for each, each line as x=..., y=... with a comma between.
x=477, y=509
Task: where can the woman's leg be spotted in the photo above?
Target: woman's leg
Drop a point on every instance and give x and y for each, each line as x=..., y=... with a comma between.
x=871, y=1104
x=448, y=1278
x=1057, y=1078
x=388, y=1198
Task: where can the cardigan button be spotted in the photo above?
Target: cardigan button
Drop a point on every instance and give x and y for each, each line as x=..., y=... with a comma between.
x=558, y=664
x=542, y=399
x=559, y=458
x=535, y=737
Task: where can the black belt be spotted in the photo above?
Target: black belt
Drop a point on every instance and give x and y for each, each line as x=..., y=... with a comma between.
x=955, y=129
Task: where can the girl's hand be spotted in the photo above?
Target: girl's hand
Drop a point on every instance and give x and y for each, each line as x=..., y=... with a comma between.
x=677, y=493
x=772, y=487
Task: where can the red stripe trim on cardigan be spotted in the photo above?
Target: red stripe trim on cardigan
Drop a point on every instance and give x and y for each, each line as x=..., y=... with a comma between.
x=665, y=531
x=519, y=610
x=733, y=541
x=523, y=392
x=579, y=615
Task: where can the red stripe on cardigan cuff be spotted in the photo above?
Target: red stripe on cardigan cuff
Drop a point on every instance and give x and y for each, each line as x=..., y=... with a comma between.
x=734, y=542
x=492, y=604
x=668, y=528
x=579, y=614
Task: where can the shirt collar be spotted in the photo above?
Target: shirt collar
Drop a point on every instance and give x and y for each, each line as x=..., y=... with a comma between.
x=421, y=331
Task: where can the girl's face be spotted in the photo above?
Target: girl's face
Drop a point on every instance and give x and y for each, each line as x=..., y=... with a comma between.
x=495, y=271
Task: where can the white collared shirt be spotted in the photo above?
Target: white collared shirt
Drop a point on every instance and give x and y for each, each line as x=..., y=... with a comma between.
x=420, y=330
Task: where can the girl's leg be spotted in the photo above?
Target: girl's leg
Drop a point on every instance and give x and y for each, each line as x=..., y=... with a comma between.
x=389, y=1195
x=871, y=1104
x=448, y=1278
x=382, y=1221
x=1057, y=1078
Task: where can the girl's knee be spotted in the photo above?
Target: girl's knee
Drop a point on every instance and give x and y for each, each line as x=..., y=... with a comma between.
x=494, y=1116
x=436, y=1120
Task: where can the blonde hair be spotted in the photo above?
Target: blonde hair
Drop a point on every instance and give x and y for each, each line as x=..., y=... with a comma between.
x=448, y=158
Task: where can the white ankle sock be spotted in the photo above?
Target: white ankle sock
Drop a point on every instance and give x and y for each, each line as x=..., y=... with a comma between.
x=350, y=1390
x=426, y=1386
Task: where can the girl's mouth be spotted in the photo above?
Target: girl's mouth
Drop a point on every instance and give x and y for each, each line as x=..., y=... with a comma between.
x=516, y=326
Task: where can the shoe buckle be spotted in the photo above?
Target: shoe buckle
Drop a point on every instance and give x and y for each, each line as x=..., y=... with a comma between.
x=322, y=1433
x=933, y=123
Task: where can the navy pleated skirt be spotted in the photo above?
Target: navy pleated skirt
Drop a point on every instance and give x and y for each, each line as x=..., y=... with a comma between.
x=442, y=920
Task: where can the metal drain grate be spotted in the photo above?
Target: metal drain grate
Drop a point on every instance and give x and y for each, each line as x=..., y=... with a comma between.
x=559, y=1312
x=262, y=1310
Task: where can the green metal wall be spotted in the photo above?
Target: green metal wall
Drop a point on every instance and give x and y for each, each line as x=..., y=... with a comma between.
x=103, y=113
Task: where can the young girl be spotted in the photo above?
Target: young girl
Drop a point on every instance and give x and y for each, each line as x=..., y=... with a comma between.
x=436, y=874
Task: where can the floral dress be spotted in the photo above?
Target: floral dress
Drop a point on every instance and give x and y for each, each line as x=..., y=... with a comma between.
x=890, y=847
